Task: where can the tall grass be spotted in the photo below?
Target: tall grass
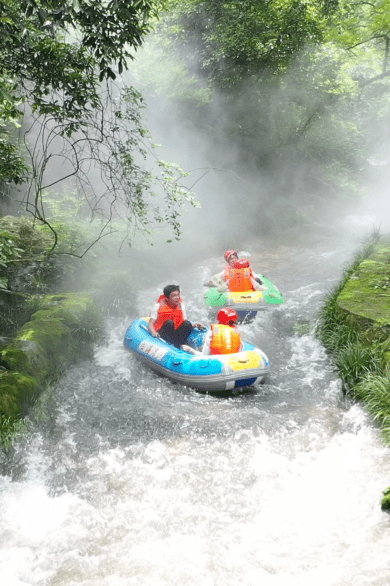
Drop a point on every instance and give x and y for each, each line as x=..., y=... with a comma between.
x=374, y=392
x=11, y=430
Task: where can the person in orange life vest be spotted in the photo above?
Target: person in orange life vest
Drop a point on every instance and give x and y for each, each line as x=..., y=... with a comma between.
x=239, y=278
x=223, y=337
x=168, y=318
x=230, y=256
x=220, y=280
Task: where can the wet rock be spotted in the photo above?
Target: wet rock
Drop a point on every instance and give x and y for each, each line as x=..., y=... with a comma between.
x=385, y=504
x=61, y=332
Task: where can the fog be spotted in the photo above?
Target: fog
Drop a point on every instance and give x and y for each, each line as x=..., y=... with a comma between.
x=246, y=204
x=247, y=211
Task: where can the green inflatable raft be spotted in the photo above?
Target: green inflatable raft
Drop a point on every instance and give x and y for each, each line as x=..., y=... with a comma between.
x=246, y=303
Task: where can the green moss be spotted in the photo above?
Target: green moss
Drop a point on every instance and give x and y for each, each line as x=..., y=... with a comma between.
x=52, y=335
x=16, y=392
x=14, y=358
x=60, y=332
x=363, y=301
x=385, y=505
x=70, y=301
x=55, y=313
x=26, y=236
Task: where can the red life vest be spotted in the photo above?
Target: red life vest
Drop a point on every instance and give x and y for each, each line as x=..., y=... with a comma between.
x=239, y=279
x=166, y=312
x=224, y=339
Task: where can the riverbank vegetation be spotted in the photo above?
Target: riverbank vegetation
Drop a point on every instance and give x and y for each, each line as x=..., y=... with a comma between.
x=360, y=360
x=52, y=311
x=361, y=355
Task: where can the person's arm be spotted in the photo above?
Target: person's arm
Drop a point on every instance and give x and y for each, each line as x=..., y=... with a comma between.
x=152, y=329
x=152, y=321
x=258, y=279
x=223, y=287
x=217, y=280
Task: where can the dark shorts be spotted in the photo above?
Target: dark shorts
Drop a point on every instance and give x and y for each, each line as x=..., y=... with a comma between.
x=175, y=337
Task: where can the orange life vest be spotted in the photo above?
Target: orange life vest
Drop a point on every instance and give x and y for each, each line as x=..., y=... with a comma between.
x=224, y=339
x=239, y=279
x=166, y=312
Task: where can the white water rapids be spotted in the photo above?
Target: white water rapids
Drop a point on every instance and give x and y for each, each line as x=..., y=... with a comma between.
x=127, y=479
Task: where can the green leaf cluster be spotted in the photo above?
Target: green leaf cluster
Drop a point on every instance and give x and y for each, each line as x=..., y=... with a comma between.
x=9, y=251
x=232, y=40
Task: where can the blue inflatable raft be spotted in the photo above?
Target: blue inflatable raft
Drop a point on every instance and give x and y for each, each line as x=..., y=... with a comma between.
x=204, y=373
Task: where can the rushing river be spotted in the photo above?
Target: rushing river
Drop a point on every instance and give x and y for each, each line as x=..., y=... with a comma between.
x=127, y=479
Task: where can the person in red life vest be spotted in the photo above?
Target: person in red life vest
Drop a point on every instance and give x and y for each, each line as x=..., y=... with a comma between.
x=168, y=318
x=221, y=280
x=223, y=337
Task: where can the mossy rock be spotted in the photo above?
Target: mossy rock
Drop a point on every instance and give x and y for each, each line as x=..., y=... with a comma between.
x=24, y=356
x=365, y=298
x=50, y=334
x=74, y=302
x=385, y=504
x=17, y=392
x=26, y=235
x=59, y=333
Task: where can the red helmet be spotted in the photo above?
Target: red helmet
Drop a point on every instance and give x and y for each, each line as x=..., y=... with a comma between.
x=227, y=315
x=229, y=253
x=241, y=263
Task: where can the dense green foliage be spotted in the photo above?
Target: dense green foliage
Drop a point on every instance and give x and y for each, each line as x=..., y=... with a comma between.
x=43, y=65
x=58, y=69
x=227, y=42
x=52, y=45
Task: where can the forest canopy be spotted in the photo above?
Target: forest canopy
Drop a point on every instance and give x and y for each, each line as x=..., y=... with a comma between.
x=301, y=85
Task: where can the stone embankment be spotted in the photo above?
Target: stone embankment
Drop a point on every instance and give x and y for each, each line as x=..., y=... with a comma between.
x=58, y=334
x=365, y=298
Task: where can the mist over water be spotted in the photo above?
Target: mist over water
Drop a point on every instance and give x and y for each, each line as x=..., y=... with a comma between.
x=129, y=479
